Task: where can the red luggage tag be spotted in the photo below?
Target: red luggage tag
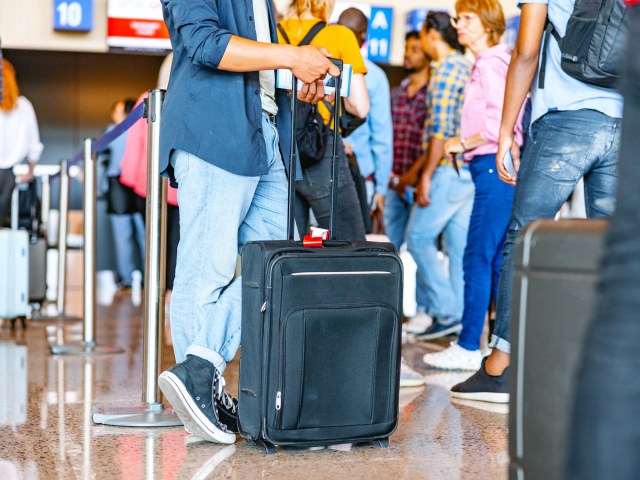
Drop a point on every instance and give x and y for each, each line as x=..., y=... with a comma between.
x=315, y=237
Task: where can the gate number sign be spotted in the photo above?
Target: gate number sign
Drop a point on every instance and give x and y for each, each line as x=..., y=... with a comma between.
x=73, y=15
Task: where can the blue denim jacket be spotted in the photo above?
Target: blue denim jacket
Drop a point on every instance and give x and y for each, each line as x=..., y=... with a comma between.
x=214, y=114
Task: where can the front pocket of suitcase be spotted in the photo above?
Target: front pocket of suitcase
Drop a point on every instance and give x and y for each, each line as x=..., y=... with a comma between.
x=337, y=367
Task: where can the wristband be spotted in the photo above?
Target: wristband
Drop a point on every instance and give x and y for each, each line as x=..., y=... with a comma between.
x=464, y=147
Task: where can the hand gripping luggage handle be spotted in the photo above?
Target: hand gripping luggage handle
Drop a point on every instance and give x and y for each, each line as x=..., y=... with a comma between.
x=293, y=154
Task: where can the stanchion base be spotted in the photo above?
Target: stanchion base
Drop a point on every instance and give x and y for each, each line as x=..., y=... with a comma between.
x=136, y=417
x=84, y=349
x=53, y=319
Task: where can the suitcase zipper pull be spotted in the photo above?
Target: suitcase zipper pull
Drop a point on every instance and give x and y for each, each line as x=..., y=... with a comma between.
x=264, y=307
x=278, y=401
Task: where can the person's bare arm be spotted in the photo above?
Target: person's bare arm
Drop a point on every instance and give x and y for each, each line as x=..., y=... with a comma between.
x=520, y=76
x=453, y=145
x=358, y=103
x=309, y=64
x=435, y=152
x=210, y=45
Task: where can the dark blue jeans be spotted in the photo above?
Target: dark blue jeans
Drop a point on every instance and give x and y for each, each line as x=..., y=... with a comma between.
x=314, y=191
x=605, y=436
x=564, y=147
x=485, y=243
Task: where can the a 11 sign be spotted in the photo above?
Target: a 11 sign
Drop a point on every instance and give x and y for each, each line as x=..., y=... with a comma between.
x=74, y=15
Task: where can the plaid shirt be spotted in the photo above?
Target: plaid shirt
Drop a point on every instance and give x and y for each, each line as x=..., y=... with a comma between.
x=445, y=97
x=409, y=115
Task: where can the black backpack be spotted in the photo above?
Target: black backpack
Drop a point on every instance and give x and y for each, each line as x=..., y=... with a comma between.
x=312, y=136
x=592, y=47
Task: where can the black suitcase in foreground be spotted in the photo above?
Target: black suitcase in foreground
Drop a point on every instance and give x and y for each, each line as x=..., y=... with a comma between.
x=321, y=335
x=556, y=270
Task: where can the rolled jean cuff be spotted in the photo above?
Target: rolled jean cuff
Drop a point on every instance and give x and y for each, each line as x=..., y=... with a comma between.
x=207, y=354
x=501, y=344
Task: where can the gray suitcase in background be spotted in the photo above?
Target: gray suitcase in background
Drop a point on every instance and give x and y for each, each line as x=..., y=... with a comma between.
x=37, y=269
x=556, y=270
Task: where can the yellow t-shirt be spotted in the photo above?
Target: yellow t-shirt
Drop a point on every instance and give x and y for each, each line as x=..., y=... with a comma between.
x=337, y=39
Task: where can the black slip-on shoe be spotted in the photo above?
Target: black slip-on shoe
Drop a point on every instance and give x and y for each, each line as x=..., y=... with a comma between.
x=484, y=387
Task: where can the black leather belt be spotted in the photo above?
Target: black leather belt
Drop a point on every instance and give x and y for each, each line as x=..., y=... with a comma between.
x=271, y=116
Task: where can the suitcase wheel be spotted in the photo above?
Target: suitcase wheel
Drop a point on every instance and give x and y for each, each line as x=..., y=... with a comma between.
x=384, y=443
x=270, y=448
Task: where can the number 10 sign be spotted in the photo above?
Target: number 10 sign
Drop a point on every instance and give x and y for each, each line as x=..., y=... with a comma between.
x=75, y=15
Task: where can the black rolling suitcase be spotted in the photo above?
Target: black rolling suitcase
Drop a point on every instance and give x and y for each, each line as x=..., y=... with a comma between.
x=321, y=334
x=556, y=270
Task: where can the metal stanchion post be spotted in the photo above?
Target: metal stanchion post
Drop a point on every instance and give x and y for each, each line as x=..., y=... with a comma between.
x=88, y=345
x=63, y=218
x=152, y=413
x=15, y=209
x=45, y=207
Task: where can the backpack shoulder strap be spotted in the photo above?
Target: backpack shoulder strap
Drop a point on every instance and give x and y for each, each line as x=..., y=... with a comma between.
x=549, y=31
x=312, y=33
x=283, y=32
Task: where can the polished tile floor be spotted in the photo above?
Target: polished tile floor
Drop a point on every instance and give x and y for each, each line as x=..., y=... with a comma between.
x=47, y=432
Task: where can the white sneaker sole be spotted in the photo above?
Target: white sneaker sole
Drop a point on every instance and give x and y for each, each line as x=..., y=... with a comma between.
x=454, y=368
x=194, y=420
x=483, y=396
x=411, y=382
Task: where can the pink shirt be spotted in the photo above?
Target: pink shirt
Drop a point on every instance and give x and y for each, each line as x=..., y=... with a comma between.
x=483, y=101
x=134, y=161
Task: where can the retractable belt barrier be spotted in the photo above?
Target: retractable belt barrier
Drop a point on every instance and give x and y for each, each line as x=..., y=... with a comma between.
x=105, y=140
x=88, y=346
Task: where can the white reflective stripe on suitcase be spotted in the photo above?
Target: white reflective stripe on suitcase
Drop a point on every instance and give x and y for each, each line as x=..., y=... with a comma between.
x=340, y=273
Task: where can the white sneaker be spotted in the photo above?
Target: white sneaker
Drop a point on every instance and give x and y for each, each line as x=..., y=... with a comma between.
x=408, y=376
x=454, y=358
x=418, y=323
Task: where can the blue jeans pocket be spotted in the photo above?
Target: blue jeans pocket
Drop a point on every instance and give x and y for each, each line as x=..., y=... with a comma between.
x=560, y=153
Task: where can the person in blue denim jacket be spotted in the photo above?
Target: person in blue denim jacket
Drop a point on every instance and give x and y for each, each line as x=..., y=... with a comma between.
x=224, y=127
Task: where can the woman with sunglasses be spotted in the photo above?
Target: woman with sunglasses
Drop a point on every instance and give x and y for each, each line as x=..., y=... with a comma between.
x=480, y=24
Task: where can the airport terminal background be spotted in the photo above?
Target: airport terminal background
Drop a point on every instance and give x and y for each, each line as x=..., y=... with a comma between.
x=47, y=401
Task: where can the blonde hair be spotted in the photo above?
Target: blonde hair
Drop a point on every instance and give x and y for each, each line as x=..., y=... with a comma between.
x=10, y=91
x=317, y=8
x=490, y=13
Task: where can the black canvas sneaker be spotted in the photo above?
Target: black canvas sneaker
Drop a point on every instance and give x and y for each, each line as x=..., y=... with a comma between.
x=484, y=387
x=192, y=388
x=228, y=411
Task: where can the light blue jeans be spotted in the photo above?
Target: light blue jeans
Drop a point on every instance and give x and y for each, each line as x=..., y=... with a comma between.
x=129, y=238
x=397, y=212
x=449, y=213
x=219, y=213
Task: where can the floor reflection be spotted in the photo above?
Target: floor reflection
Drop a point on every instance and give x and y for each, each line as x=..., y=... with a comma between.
x=46, y=427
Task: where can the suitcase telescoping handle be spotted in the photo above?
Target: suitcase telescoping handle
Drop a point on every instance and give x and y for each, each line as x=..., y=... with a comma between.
x=293, y=155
